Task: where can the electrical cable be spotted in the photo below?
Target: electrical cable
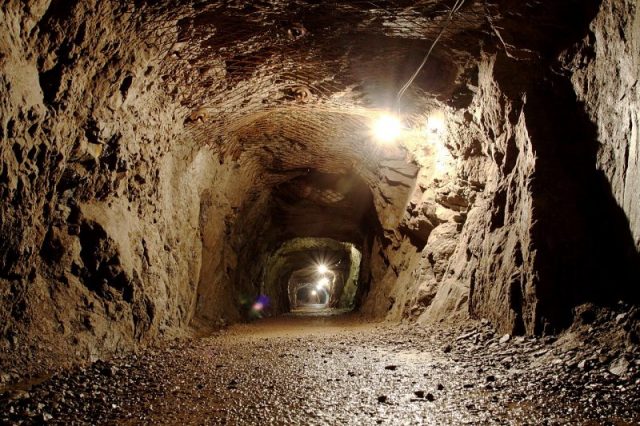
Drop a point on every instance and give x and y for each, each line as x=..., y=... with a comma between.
x=456, y=7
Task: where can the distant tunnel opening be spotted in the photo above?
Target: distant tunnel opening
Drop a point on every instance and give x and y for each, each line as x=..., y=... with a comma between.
x=326, y=286
x=313, y=275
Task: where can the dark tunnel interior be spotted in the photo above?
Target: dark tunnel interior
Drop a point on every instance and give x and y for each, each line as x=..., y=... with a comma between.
x=310, y=212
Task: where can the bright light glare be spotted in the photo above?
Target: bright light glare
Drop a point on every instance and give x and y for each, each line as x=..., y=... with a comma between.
x=323, y=269
x=324, y=282
x=387, y=128
x=314, y=293
x=435, y=123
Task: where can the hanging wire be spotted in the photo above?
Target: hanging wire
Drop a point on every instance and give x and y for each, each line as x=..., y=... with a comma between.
x=456, y=7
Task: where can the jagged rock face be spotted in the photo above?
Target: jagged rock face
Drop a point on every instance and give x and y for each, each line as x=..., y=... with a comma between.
x=89, y=218
x=531, y=242
x=604, y=70
x=155, y=156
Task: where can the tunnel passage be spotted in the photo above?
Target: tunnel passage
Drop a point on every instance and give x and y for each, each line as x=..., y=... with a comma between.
x=150, y=173
x=335, y=201
x=329, y=280
x=313, y=273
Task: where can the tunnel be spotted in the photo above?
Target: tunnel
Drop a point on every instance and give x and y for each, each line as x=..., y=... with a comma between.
x=309, y=212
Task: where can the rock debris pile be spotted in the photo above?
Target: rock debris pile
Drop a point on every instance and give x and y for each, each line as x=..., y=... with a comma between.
x=316, y=371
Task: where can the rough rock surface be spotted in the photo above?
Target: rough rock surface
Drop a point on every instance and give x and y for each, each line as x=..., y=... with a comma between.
x=528, y=185
x=604, y=70
x=322, y=370
x=154, y=155
x=93, y=239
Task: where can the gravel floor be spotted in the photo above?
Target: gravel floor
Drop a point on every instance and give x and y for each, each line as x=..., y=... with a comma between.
x=338, y=370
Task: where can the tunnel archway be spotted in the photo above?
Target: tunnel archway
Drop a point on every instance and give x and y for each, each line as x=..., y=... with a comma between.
x=308, y=297
x=170, y=164
x=324, y=265
x=306, y=204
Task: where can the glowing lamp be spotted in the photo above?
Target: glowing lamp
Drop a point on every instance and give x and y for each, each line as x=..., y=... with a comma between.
x=387, y=128
x=314, y=293
x=323, y=269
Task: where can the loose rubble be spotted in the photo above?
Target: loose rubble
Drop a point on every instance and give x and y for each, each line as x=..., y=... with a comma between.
x=295, y=370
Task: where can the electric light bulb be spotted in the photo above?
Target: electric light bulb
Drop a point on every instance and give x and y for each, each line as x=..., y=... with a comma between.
x=387, y=128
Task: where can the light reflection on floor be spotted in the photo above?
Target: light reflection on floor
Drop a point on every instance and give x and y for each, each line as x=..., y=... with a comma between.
x=318, y=309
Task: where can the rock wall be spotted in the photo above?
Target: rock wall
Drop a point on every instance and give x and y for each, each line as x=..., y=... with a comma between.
x=100, y=247
x=604, y=69
x=547, y=167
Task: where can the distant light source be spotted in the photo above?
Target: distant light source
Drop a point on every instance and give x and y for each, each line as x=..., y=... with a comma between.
x=314, y=293
x=324, y=282
x=387, y=128
x=322, y=269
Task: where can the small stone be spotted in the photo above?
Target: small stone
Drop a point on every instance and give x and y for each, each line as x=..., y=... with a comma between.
x=19, y=394
x=382, y=399
x=619, y=367
x=391, y=367
x=430, y=397
x=447, y=349
x=620, y=318
x=440, y=386
x=419, y=393
x=466, y=335
x=491, y=378
x=505, y=338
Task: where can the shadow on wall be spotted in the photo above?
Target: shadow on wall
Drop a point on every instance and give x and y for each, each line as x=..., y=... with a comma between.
x=584, y=248
x=586, y=251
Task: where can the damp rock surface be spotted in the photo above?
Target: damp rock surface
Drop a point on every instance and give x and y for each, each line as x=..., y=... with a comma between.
x=158, y=156
x=335, y=370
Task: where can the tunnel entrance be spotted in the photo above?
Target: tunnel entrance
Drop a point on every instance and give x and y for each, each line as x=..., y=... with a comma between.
x=313, y=275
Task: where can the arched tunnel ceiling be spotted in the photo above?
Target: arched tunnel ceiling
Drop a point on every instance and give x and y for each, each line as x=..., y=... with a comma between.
x=315, y=204
x=282, y=88
x=277, y=83
x=230, y=59
x=237, y=58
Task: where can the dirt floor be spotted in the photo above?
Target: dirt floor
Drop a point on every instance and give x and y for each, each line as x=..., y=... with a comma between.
x=334, y=370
